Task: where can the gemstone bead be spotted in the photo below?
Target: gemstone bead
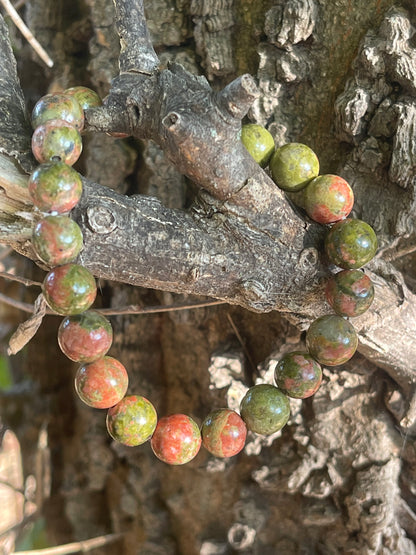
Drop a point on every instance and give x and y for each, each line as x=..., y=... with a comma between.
x=350, y=292
x=223, y=433
x=293, y=166
x=331, y=340
x=55, y=187
x=132, y=421
x=58, y=106
x=87, y=98
x=328, y=199
x=57, y=240
x=351, y=243
x=264, y=409
x=101, y=384
x=298, y=375
x=56, y=140
x=85, y=337
x=259, y=142
x=176, y=440
x=69, y=289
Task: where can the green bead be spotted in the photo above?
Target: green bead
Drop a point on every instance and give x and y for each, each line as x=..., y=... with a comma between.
x=132, y=421
x=351, y=243
x=57, y=240
x=293, y=166
x=87, y=98
x=265, y=409
x=298, y=375
x=331, y=340
x=58, y=106
x=69, y=289
x=259, y=142
x=55, y=187
x=350, y=292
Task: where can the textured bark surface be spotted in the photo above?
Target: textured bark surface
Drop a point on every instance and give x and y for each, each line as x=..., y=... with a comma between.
x=337, y=75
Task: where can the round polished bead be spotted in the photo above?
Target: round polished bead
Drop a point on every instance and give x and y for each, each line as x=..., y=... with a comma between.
x=69, y=289
x=350, y=292
x=56, y=140
x=87, y=98
x=176, y=440
x=58, y=106
x=298, y=375
x=328, y=199
x=259, y=142
x=132, y=421
x=101, y=384
x=265, y=409
x=293, y=166
x=57, y=240
x=85, y=337
x=331, y=340
x=223, y=433
x=351, y=243
x=55, y=187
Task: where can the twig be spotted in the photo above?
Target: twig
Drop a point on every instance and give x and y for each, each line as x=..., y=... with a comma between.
x=131, y=309
x=25, y=281
x=76, y=547
x=242, y=343
x=19, y=4
x=17, y=20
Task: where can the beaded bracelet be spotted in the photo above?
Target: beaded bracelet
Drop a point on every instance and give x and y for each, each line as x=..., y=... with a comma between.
x=85, y=336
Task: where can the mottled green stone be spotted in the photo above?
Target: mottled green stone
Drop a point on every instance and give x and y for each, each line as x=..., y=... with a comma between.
x=350, y=292
x=298, y=375
x=132, y=421
x=293, y=166
x=351, y=243
x=265, y=409
x=259, y=142
x=69, y=289
x=331, y=340
x=328, y=199
x=223, y=433
x=55, y=187
x=58, y=106
x=56, y=140
x=87, y=98
x=101, y=384
x=57, y=240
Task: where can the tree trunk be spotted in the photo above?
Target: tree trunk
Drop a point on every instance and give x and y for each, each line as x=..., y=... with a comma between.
x=161, y=227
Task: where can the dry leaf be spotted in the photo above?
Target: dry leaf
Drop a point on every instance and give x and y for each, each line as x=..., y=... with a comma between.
x=27, y=329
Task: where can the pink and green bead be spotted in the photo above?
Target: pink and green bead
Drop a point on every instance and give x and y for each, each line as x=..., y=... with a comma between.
x=351, y=243
x=328, y=199
x=298, y=375
x=56, y=140
x=101, y=384
x=69, y=289
x=57, y=240
x=265, y=409
x=55, y=187
x=85, y=337
x=223, y=433
x=331, y=340
x=132, y=421
x=350, y=293
x=58, y=106
x=176, y=439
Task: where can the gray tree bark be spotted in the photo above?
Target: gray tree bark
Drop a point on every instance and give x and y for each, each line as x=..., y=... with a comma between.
x=201, y=219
